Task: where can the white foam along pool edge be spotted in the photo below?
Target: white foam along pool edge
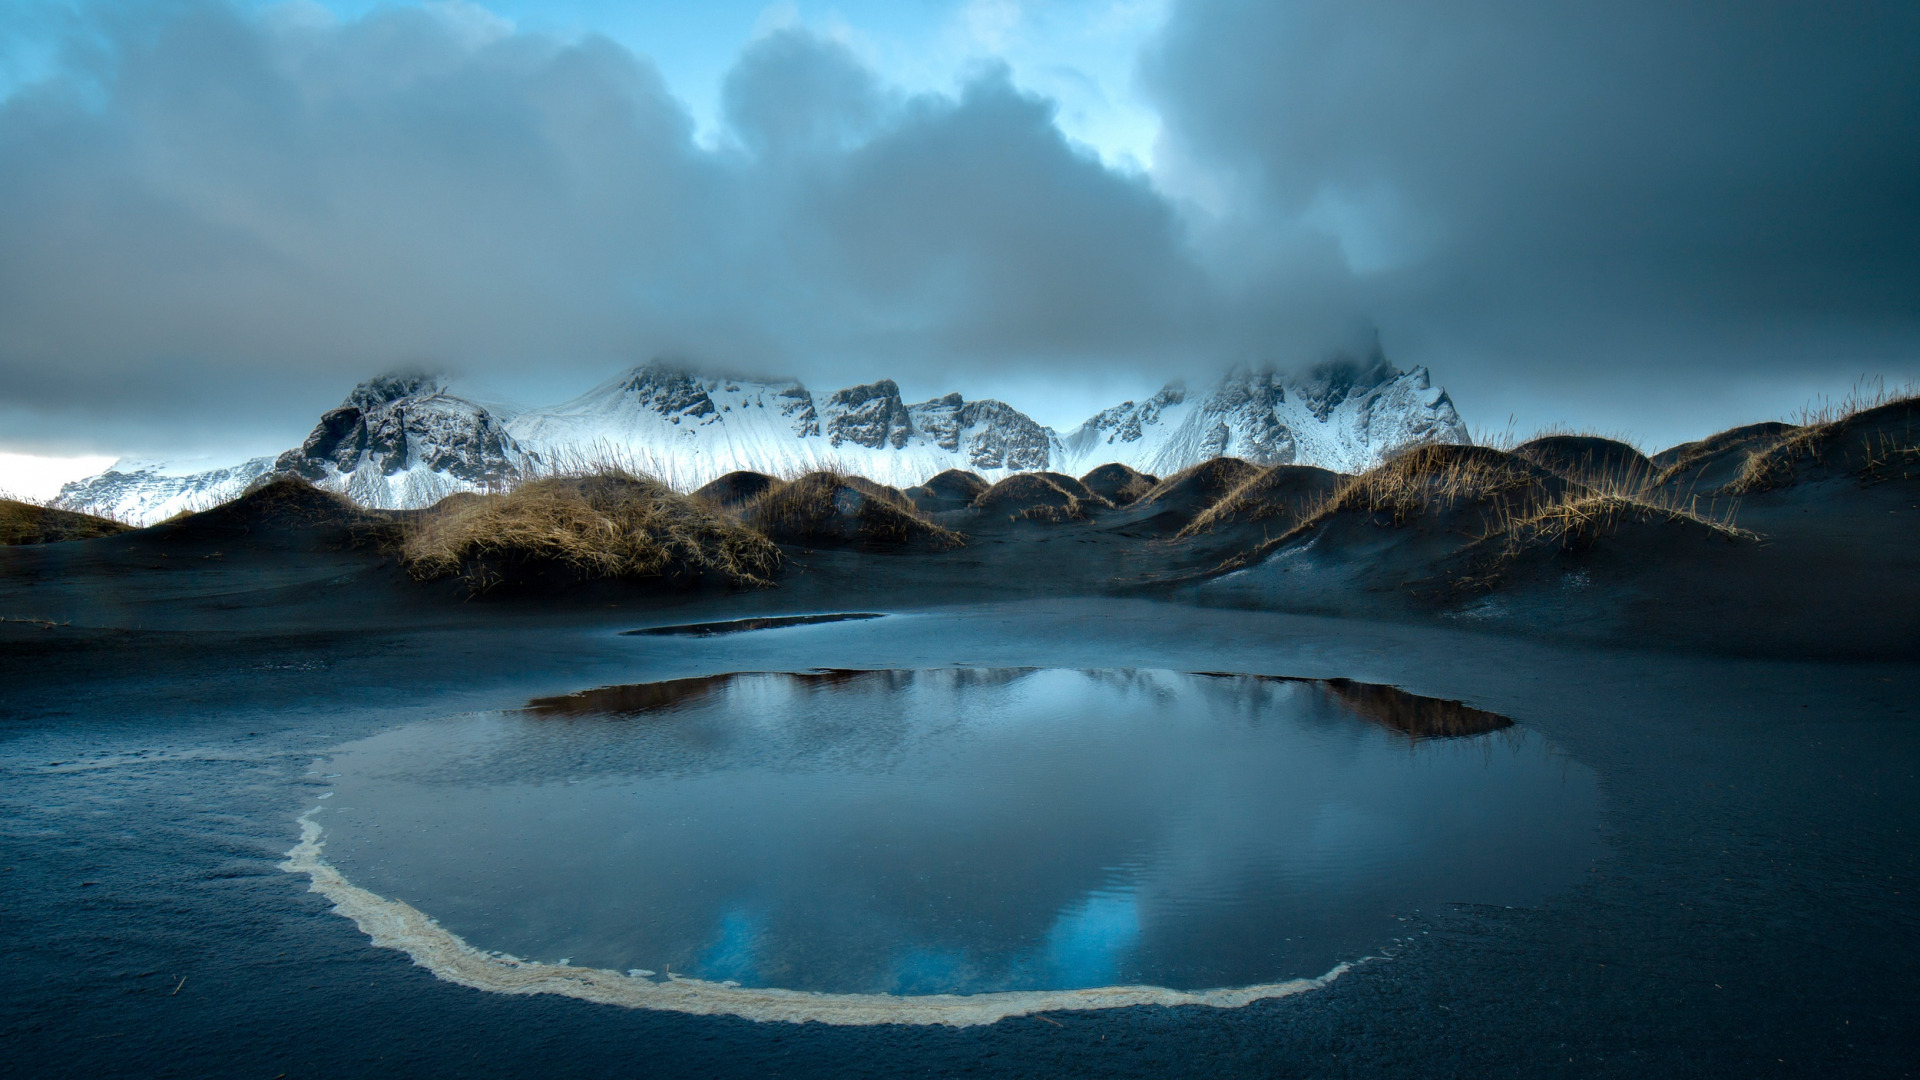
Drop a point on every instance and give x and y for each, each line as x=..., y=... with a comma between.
x=395, y=924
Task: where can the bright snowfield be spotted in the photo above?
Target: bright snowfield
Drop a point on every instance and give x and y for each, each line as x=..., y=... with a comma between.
x=404, y=441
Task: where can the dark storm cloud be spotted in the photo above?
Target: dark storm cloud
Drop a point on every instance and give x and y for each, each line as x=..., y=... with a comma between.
x=1570, y=192
x=207, y=206
x=210, y=218
x=940, y=232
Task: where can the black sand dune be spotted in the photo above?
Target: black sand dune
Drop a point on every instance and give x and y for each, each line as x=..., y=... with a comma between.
x=1072, y=486
x=954, y=489
x=1275, y=500
x=1589, y=459
x=1769, y=540
x=457, y=499
x=1168, y=506
x=1386, y=529
x=828, y=509
x=26, y=523
x=283, y=503
x=1713, y=462
x=557, y=532
x=736, y=488
x=1119, y=484
x=1043, y=497
x=1870, y=446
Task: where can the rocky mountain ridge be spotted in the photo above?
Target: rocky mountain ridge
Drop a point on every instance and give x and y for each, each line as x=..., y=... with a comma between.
x=405, y=440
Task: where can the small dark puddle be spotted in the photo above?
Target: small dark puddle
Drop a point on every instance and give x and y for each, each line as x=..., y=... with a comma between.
x=741, y=626
x=960, y=830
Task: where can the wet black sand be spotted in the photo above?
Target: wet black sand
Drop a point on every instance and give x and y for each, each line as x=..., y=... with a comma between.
x=1754, y=915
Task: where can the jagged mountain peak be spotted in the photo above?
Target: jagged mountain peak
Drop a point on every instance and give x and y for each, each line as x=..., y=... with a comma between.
x=991, y=434
x=404, y=439
x=1345, y=414
x=870, y=415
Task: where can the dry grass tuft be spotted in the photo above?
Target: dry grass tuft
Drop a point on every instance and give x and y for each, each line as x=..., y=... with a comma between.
x=605, y=525
x=1050, y=515
x=1821, y=426
x=1569, y=526
x=1575, y=523
x=1775, y=466
x=31, y=523
x=1433, y=478
x=1890, y=457
x=1867, y=395
x=831, y=507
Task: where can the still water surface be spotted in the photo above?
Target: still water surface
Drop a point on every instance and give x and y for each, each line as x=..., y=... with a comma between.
x=960, y=830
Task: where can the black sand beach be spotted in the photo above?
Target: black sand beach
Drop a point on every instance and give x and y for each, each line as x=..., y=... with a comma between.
x=1745, y=701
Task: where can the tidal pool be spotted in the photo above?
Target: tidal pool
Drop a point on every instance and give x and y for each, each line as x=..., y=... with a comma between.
x=959, y=831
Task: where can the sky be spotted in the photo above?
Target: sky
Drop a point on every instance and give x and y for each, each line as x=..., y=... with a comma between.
x=1648, y=219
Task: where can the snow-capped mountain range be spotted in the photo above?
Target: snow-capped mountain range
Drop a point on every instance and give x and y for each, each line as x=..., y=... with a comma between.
x=401, y=441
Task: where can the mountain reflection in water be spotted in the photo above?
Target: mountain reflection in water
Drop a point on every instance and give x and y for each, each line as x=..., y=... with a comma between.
x=1390, y=707
x=960, y=830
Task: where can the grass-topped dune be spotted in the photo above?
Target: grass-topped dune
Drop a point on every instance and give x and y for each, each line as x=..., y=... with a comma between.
x=1461, y=518
x=1809, y=522
x=278, y=510
x=1171, y=504
x=1610, y=528
x=608, y=525
x=30, y=523
x=1711, y=463
x=1593, y=460
x=1783, y=539
x=1873, y=444
x=1040, y=496
x=737, y=488
x=1119, y=484
x=954, y=489
x=1276, y=498
x=825, y=509
x=1870, y=436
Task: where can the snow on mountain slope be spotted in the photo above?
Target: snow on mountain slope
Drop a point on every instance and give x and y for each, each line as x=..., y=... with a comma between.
x=146, y=492
x=404, y=441
x=688, y=429
x=1344, y=415
x=397, y=441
